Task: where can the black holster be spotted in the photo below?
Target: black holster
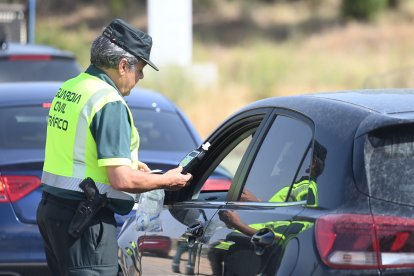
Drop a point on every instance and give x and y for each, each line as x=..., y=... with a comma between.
x=87, y=208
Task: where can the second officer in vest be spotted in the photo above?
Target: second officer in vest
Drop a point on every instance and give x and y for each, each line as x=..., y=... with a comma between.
x=91, y=133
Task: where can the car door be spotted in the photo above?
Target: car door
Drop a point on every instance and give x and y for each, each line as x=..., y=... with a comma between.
x=230, y=146
x=246, y=236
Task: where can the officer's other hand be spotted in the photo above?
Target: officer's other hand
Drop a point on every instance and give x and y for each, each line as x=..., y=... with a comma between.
x=177, y=180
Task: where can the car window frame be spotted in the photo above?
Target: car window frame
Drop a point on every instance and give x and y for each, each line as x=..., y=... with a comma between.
x=228, y=130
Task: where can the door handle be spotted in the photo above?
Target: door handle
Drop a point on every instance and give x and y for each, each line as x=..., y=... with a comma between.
x=262, y=239
x=194, y=232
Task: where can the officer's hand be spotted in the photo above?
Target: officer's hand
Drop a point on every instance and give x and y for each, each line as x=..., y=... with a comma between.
x=143, y=167
x=177, y=180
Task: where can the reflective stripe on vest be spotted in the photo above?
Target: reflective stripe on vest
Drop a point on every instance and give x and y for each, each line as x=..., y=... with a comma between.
x=72, y=183
x=71, y=152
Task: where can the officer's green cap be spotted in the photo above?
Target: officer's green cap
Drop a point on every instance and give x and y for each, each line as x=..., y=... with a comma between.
x=132, y=40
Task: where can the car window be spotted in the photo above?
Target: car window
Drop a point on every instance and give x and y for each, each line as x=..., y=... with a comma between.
x=232, y=160
x=389, y=164
x=275, y=168
x=226, y=170
x=38, y=70
x=23, y=127
x=230, y=145
x=164, y=131
x=26, y=129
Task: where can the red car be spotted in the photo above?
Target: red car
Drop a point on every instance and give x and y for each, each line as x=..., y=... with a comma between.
x=155, y=244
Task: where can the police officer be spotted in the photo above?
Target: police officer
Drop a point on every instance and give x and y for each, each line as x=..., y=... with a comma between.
x=306, y=188
x=91, y=133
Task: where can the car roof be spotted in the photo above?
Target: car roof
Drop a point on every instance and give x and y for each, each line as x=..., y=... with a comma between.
x=384, y=101
x=34, y=49
x=348, y=112
x=28, y=93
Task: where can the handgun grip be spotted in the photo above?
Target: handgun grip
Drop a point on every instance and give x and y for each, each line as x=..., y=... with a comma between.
x=88, y=186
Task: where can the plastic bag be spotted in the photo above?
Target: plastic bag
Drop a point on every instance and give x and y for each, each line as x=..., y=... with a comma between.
x=147, y=216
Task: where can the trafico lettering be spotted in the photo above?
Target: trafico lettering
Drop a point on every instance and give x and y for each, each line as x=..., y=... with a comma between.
x=58, y=122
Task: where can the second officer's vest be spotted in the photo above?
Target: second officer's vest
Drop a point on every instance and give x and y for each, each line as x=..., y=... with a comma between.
x=71, y=152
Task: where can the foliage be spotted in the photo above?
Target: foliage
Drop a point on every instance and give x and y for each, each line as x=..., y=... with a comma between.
x=275, y=51
x=366, y=10
x=172, y=81
x=76, y=40
x=260, y=67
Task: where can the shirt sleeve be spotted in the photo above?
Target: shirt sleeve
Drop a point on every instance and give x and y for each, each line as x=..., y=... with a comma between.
x=111, y=130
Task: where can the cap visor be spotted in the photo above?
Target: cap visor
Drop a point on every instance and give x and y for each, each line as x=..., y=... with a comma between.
x=150, y=64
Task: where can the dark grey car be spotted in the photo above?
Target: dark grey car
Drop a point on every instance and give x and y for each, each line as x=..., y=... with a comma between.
x=321, y=185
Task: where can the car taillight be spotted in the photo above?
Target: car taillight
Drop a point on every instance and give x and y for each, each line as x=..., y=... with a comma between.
x=14, y=187
x=354, y=241
x=216, y=184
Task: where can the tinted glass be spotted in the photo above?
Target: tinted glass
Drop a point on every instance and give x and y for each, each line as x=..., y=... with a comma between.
x=162, y=131
x=38, y=70
x=233, y=154
x=389, y=164
x=232, y=161
x=23, y=127
x=279, y=158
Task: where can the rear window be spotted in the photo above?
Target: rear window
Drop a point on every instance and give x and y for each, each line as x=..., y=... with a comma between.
x=389, y=164
x=162, y=131
x=25, y=128
x=38, y=70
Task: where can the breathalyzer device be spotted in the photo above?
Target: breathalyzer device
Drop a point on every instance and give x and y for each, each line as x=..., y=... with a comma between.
x=192, y=158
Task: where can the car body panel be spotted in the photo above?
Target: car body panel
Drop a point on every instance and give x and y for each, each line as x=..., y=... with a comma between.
x=179, y=218
x=240, y=246
x=20, y=242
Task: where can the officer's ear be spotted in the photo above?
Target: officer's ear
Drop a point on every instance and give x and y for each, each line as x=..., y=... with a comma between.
x=123, y=66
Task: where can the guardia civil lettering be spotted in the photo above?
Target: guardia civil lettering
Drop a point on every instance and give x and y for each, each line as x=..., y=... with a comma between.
x=59, y=107
x=68, y=96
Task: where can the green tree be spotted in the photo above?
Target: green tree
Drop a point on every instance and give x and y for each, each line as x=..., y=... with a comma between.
x=366, y=10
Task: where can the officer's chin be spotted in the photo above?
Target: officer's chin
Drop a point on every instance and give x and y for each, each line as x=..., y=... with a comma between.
x=126, y=93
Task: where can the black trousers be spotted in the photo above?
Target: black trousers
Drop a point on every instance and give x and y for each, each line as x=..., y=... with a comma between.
x=94, y=253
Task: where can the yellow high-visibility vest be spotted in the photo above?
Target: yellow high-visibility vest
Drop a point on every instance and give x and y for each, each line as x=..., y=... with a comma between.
x=71, y=151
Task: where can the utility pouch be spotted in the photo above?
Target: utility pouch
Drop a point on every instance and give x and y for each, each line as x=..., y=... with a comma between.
x=87, y=208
